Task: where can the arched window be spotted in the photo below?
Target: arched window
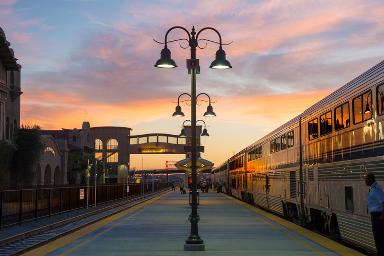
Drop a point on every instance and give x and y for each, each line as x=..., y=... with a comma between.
x=112, y=157
x=112, y=144
x=98, y=144
x=56, y=177
x=47, y=175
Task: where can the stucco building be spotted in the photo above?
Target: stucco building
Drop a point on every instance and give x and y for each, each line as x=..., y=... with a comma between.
x=52, y=167
x=10, y=90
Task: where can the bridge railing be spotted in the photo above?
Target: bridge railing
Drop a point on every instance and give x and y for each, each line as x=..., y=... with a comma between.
x=156, y=138
x=21, y=205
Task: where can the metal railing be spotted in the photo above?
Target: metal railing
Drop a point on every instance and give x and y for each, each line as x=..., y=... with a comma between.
x=22, y=205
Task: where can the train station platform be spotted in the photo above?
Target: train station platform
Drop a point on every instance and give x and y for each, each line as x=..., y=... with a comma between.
x=160, y=227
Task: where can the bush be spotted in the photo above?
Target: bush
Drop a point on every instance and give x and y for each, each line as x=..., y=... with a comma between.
x=7, y=151
x=28, y=152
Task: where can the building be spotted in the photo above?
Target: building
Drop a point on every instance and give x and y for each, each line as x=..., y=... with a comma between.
x=106, y=147
x=111, y=146
x=10, y=90
x=74, y=147
x=53, y=164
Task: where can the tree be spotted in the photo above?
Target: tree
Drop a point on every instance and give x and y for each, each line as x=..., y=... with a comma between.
x=7, y=151
x=77, y=163
x=28, y=152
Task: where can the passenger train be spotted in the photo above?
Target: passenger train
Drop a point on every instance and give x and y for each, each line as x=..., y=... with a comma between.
x=311, y=169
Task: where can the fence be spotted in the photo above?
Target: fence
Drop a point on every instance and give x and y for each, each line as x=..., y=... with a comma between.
x=17, y=206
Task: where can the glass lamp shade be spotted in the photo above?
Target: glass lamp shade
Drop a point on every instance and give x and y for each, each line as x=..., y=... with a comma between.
x=182, y=133
x=367, y=109
x=178, y=111
x=165, y=60
x=220, y=62
x=204, y=133
x=209, y=112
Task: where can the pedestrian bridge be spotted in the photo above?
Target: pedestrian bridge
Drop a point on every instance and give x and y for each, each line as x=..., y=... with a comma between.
x=158, y=143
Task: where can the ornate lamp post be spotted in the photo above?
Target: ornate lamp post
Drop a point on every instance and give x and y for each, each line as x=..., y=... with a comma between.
x=194, y=242
x=204, y=133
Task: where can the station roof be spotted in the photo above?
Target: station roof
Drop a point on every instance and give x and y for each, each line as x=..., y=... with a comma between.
x=7, y=56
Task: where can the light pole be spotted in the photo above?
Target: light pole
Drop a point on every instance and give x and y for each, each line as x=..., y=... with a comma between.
x=88, y=173
x=194, y=242
x=95, y=181
x=204, y=133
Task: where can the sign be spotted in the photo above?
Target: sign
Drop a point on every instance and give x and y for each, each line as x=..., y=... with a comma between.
x=81, y=194
x=198, y=148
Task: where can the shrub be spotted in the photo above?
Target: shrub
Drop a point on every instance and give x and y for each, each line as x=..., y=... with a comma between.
x=28, y=152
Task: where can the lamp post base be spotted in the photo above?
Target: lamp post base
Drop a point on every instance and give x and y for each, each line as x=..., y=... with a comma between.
x=194, y=247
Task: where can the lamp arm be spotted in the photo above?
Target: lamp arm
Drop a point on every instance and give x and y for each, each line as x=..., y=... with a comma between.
x=213, y=29
x=203, y=93
x=186, y=121
x=172, y=28
x=205, y=125
x=181, y=39
x=178, y=99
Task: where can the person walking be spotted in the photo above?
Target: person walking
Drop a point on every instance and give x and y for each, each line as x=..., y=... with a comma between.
x=376, y=210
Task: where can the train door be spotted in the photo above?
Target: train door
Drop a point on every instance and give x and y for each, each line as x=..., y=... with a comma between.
x=315, y=185
x=292, y=185
x=311, y=188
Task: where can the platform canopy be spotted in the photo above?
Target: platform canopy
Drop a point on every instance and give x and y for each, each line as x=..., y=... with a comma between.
x=201, y=164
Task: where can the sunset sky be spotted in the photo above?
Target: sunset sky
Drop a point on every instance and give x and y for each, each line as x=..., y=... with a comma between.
x=92, y=60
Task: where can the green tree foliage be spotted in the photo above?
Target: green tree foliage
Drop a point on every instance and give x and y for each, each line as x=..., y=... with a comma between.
x=7, y=150
x=78, y=164
x=28, y=152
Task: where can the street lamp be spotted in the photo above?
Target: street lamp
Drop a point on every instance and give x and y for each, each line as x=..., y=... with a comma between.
x=194, y=242
x=204, y=133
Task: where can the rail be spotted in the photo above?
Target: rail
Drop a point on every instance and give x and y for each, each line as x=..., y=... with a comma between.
x=22, y=205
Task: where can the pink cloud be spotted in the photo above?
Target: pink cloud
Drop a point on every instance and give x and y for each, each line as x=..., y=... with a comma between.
x=7, y=2
x=21, y=38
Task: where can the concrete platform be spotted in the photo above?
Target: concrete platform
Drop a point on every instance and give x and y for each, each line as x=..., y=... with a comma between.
x=160, y=227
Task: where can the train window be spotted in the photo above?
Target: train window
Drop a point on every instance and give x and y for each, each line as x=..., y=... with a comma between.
x=290, y=139
x=255, y=153
x=380, y=99
x=342, y=116
x=326, y=123
x=275, y=145
x=278, y=144
x=348, y=198
x=339, y=118
x=362, y=106
x=357, y=110
x=283, y=141
x=313, y=129
x=367, y=105
x=346, y=120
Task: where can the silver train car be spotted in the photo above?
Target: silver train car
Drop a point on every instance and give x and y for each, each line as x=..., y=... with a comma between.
x=310, y=170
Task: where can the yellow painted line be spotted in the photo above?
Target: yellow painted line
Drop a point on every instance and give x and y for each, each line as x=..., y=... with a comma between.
x=71, y=237
x=319, y=239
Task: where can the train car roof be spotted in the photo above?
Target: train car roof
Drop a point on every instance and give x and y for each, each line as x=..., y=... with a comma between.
x=350, y=86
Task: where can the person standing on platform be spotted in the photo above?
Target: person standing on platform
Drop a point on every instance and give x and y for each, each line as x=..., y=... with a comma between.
x=376, y=210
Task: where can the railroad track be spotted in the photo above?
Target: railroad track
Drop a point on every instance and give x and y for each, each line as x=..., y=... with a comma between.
x=26, y=241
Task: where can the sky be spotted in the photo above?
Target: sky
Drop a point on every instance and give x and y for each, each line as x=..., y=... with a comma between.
x=93, y=60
